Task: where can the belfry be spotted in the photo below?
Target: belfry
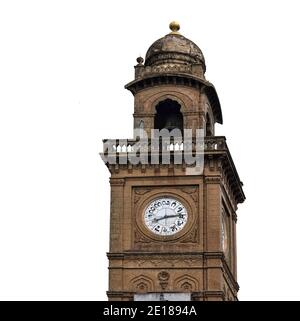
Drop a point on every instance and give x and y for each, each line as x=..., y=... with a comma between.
x=173, y=220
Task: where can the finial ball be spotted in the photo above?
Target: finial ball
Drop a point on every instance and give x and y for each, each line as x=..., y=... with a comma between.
x=140, y=60
x=174, y=26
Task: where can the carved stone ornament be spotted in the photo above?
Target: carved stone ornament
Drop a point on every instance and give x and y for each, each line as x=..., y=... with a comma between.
x=139, y=192
x=142, y=283
x=192, y=236
x=165, y=262
x=187, y=283
x=192, y=191
x=163, y=285
x=139, y=238
x=142, y=191
x=163, y=278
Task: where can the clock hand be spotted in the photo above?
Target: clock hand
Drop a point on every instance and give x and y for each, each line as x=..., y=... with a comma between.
x=155, y=220
x=164, y=217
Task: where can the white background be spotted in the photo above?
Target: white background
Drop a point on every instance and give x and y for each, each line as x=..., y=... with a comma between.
x=63, y=65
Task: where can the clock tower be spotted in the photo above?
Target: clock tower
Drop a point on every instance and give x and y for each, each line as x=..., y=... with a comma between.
x=174, y=186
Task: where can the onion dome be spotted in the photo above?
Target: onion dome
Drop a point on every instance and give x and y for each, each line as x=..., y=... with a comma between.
x=174, y=49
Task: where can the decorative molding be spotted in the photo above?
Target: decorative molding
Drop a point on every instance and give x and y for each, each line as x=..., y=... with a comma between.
x=140, y=262
x=186, y=283
x=180, y=97
x=160, y=261
x=117, y=181
x=192, y=235
x=204, y=295
x=120, y=294
x=142, y=284
x=142, y=190
x=212, y=179
x=115, y=256
x=139, y=192
x=139, y=238
x=191, y=262
x=165, y=255
x=192, y=191
x=173, y=259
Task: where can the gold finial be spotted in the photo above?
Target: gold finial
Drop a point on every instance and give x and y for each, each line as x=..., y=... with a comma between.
x=174, y=26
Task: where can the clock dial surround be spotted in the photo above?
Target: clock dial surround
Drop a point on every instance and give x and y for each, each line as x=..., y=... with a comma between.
x=165, y=216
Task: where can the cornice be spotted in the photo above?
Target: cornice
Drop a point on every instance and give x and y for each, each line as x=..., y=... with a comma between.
x=230, y=172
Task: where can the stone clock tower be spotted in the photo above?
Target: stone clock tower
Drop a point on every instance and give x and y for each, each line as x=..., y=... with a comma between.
x=172, y=221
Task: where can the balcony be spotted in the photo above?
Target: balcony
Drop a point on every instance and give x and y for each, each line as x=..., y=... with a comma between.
x=122, y=146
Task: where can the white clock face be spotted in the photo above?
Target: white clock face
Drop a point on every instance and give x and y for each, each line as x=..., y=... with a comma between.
x=165, y=216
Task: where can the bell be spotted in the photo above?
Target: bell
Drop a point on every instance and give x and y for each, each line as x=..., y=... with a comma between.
x=172, y=122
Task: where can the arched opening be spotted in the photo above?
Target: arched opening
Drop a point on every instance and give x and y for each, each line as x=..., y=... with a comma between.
x=209, y=131
x=168, y=115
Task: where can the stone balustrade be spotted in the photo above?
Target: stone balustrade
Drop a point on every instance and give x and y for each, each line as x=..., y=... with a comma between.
x=120, y=146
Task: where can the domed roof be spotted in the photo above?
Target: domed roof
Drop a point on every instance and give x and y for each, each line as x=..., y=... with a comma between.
x=174, y=48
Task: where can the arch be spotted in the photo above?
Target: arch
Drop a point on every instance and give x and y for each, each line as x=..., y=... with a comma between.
x=186, y=283
x=182, y=99
x=142, y=284
x=165, y=97
x=168, y=115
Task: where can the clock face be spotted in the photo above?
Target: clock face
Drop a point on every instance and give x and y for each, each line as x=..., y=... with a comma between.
x=165, y=216
x=224, y=235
